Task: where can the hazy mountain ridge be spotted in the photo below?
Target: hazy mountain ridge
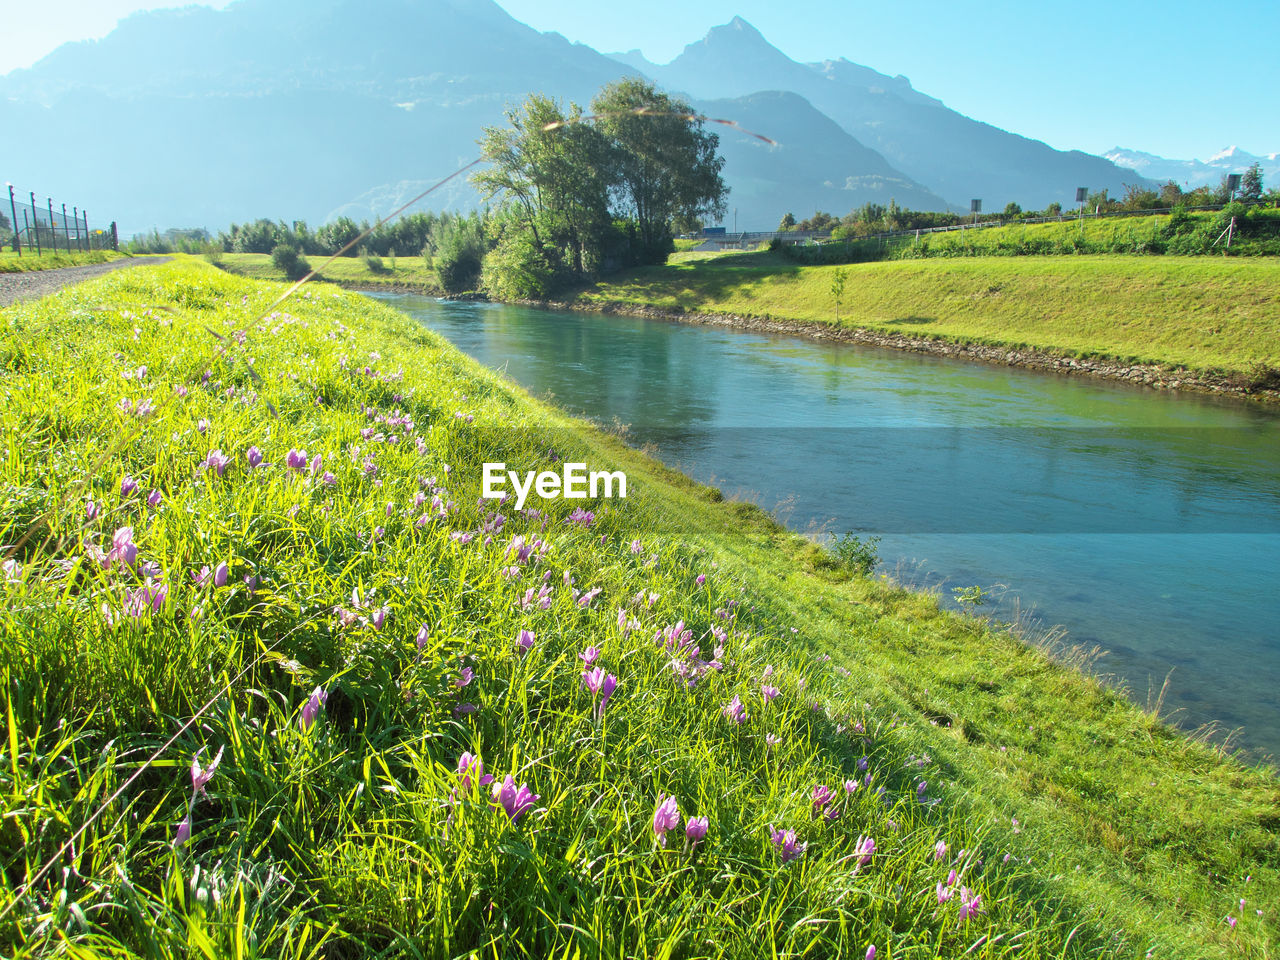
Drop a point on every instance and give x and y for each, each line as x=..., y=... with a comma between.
x=300, y=108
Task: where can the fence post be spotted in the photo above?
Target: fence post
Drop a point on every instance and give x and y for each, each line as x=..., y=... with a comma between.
x=66, y=233
x=88, y=239
x=53, y=233
x=13, y=211
x=36, y=218
x=75, y=218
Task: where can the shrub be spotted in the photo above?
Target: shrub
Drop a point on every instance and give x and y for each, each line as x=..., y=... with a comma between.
x=858, y=554
x=289, y=261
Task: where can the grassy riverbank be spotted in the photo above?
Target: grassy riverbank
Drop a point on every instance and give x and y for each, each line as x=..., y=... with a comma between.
x=1087, y=827
x=402, y=272
x=1207, y=314
x=10, y=262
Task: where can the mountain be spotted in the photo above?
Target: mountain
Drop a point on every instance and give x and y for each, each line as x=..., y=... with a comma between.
x=958, y=157
x=300, y=109
x=1196, y=173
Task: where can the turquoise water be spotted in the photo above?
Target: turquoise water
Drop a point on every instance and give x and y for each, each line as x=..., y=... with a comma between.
x=1143, y=522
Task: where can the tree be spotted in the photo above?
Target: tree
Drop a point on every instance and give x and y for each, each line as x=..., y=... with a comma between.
x=1053, y=210
x=1251, y=183
x=664, y=165
x=788, y=222
x=550, y=170
x=1012, y=210
x=1170, y=194
x=837, y=290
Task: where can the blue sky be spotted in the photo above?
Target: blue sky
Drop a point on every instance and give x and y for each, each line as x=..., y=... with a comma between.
x=1178, y=78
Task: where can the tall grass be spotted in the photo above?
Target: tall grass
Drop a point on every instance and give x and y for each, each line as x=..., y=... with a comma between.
x=316, y=571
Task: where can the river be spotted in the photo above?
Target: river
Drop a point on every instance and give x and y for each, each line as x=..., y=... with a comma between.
x=1143, y=522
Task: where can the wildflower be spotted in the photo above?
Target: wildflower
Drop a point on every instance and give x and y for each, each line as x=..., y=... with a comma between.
x=465, y=676
x=12, y=571
x=943, y=893
x=127, y=485
x=516, y=801
x=851, y=787
x=581, y=517
x=606, y=691
x=469, y=764
x=864, y=849
x=871, y=952
x=220, y=575
x=771, y=740
x=254, y=457
x=1231, y=922
x=951, y=878
x=970, y=904
x=202, y=424
x=589, y=655
x=423, y=634
x=296, y=460
x=312, y=707
x=700, y=579
x=696, y=829
x=785, y=841
x=920, y=790
x=821, y=797
x=768, y=692
x=636, y=547
x=940, y=850
x=734, y=710
x=586, y=598
x=183, y=833
x=665, y=817
x=328, y=479
x=593, y=679
x=463, y=709
x=90, y=510
x=200, y=778
x=317, y=462
x=154, y=498
x=525, y=640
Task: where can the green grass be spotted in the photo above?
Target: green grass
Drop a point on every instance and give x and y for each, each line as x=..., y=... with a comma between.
x=348, y=271
x=10, y=262
x=356, y=838
x=1204, y=313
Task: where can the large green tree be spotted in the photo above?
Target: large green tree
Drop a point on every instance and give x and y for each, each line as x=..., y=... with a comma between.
x=665, y=166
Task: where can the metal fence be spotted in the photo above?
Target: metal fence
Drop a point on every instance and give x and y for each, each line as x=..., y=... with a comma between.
x=32, y=228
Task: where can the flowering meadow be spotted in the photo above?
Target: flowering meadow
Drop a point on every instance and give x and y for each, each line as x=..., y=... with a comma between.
x=279, y=682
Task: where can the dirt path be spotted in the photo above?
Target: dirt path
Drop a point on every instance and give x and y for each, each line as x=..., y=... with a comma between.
x=40, y=283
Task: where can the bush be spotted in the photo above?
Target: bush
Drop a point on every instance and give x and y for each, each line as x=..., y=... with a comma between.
x=372, y=262
x=857, y=553
x=289, y=261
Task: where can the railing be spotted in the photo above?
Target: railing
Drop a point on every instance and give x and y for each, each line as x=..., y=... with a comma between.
x=31, y=228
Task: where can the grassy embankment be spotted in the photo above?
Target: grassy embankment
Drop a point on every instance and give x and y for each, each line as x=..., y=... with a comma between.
x=1087, y=827
x=1204, y=313
x=347, y=271
x=10, y=262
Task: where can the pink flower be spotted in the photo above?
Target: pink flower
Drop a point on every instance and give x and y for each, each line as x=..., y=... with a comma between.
x=199, y=777
x=525, y=640
x=154, y=498
x=469, y=764
x=593, y=679
x=423, y=635
x=871, y=952
x=465, y=676
x=970, y=904
x=700, y=579
x=217, y=462
x=606, y=691
x=515, y=801
x=734, y=710
x=821, y=797
x=220, y=575
x=768, y=692
x=696, y=828
x=944, y=894
x=254, y=457
x=589, y=655
x=940, y=850
x=864, y=849
x=296, y=460
x=184, y=831
x=312, y=707
x=785, y=841
x=665, y=817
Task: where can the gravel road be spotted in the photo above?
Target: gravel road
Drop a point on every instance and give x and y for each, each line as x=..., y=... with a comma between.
x=41, y=283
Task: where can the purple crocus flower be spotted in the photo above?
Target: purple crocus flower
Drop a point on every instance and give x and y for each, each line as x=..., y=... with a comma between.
x=183, y=833
x=201, y=777
x=970, y=904
x=821, y=797
x=700, y=579
x=864, y=849
x=606, y=691
x=217, y=462
x=871, y=952
x=422, y=637
x=666, y=816
x=123, y=548
x=516, y=801
x=202, y=424
x=154, y=498
x=525, y=640
x=254, y=457
x=296, y=460
x=785, y=841
x=316, y=463
x=734, y=710
x=90, y=510
x=469, y=764
x=220, y=575
x=768, y=692
x=939, y=849
x=581, y=517
x=311, y=708
x=127, y=485
x=379, y=617
x=696, y=829
x=593, y=679
x=943, y=893
x=465, y=676
x=589, y=655
x=920, y=790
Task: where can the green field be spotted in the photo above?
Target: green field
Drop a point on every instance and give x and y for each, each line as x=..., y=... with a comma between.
x=1087, y=827
x=1204, y=313
x=10, y=262
x=349, y=271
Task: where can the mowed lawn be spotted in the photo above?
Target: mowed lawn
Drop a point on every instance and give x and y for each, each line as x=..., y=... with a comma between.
x=1204, y=313
x=352, y=271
